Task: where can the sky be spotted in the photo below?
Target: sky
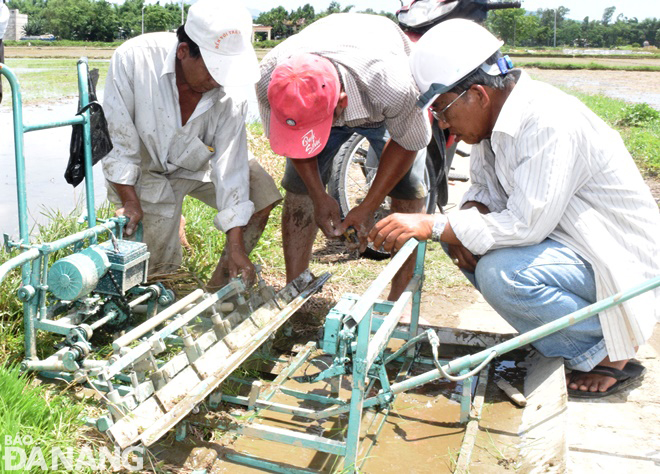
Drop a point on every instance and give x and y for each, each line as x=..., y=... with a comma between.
x=578, y=8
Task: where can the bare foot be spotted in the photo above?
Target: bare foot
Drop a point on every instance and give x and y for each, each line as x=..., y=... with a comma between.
x=588, y=382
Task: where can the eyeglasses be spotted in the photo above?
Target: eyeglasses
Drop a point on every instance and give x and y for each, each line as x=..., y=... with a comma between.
x=440, y=116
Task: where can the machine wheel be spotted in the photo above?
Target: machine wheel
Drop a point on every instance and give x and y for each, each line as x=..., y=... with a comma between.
x=353, y=171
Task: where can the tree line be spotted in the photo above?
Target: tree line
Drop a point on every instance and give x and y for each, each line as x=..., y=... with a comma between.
x=99, y=20
x=96, y=20
x=517, y=27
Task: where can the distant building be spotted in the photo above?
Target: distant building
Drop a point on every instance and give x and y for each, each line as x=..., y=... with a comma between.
x=256, y=28
x=15, y=27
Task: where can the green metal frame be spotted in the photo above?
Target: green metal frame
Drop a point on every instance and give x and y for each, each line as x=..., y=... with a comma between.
x=34, y=258
x=357, y=338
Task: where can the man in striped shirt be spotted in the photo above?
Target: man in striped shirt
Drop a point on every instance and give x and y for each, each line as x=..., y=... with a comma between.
x=344, y=74
x=557, y=217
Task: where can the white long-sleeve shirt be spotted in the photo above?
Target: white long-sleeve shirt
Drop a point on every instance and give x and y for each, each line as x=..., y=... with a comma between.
x=552, y=168
x=4, y=19
x=151, y=146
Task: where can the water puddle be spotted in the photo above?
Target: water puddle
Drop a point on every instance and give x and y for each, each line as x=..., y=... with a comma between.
x=46, y=156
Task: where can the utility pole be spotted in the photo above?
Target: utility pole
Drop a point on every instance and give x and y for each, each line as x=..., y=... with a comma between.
x=182, y=12
x=143, y=18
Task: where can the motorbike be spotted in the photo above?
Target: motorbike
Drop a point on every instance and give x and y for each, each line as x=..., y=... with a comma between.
x=356, y=163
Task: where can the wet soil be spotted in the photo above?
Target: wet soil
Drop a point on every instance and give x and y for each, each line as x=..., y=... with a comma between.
x=631, y=86
x=423, y=421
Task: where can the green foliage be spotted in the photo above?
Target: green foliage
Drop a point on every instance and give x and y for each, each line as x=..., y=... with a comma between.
x=521, y=28
x=97, y=20
x=642, y=140
x=81, y=19
x=267, y=44
x=637, y=115
x=35, y=26
x=27, y=410
x=31, y=7
x=286, y=23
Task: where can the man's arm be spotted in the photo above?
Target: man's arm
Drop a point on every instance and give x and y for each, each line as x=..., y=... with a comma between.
x=395, y=162
x=395, y=230
x=121, y=166
x=326, y=208
x=231, y=177
x=239, y=263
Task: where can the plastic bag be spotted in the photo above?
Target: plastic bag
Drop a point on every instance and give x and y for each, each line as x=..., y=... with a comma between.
x=101, y=143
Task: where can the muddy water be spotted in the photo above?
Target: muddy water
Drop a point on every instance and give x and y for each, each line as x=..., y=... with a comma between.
x=420, y=435
x=46, y=155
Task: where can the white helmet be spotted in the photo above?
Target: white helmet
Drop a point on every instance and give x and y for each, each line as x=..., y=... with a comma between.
x=448, y=53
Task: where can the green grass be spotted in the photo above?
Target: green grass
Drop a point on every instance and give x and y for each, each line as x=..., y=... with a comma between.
x=590, y=66
x=63, y=44
x=638, y=124
x=29, y=412
x=558, y=52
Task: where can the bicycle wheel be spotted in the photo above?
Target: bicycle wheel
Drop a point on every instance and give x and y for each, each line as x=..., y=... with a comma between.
x=354, y=169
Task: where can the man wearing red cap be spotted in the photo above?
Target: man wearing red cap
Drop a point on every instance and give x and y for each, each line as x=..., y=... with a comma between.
x=176, y=132
x=343, y=74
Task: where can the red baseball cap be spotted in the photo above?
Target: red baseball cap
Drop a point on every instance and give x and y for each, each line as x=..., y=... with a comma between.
x=303, y=94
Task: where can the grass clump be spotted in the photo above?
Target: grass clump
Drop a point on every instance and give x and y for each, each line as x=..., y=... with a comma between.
x=593, y=66
x=638, y=124
x=638, y=115
x=32, y=417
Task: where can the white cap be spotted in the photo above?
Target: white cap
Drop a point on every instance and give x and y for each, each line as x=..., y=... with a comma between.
x=223, y=31
x=447, y=54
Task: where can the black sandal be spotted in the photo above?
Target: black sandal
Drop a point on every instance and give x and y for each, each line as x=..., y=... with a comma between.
x=631, y=374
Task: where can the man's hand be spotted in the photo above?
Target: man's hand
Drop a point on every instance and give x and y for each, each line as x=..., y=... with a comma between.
x=462, y=257
x=130, y=206
x=327, y=215
x=396, y=229
x=239, y=263
x=132, y=210
x=362, y=219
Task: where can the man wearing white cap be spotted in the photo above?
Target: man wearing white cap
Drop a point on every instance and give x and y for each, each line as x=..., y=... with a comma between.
x=557, y=216
x=346, y=73
x=176, y=132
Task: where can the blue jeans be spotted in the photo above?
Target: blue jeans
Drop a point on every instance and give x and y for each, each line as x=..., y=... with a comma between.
x=410, y=187
x=532, y=286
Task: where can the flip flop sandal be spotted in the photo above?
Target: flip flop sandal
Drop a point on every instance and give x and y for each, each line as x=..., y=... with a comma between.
x=631, y=374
